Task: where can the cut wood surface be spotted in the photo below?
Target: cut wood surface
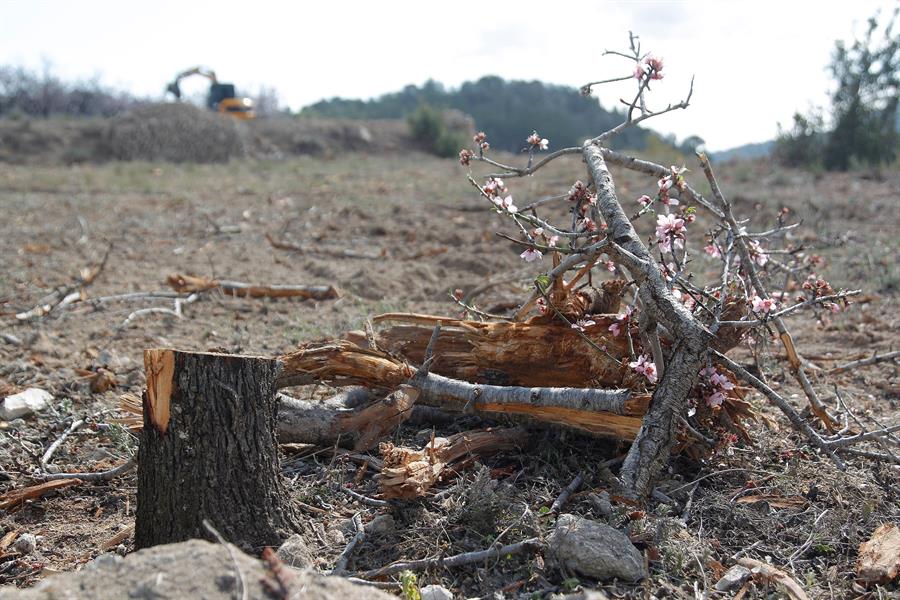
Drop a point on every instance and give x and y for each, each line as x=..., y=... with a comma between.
x=409, y=473
x=189, y=284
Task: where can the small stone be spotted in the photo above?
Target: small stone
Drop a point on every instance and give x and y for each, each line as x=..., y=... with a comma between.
x=380, y=525
x=121, y=550
x=435, y=592
x=336, y=537
x=733, y=578
x=105, y=561
x=24, y=403
x=595, y=550
x=26, y=543
x=295, y=553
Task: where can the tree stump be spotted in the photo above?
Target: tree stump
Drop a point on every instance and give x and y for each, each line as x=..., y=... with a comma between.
x=208, y=451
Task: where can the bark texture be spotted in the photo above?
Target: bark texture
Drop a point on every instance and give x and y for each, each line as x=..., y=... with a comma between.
x=208, y=451
x=650, y=451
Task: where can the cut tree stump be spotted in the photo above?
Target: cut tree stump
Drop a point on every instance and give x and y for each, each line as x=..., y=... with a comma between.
x=208, y=451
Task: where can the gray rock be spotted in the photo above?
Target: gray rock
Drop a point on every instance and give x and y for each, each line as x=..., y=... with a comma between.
x=601, y=503
x=24, y=403
x=380, y=525
x=104, y=561
x=435, y=592
x=192, y=569
x=294, y=552
x=25, y=543
x=595, y=550
x=733, y=578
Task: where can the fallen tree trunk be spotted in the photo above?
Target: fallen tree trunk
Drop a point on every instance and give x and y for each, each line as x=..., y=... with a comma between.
x=613, y=413
x=326, y=423
x=207, y=448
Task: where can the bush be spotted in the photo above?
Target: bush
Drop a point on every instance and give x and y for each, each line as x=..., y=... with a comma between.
x=802, y=145
x=429, y=130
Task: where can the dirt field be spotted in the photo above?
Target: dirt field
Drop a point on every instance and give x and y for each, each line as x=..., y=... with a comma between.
x=427, y=234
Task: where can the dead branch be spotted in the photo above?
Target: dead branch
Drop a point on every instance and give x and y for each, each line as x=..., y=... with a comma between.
x=531, y=545
x=99, y=476
x=340, y=566
x=59, y=441
x=329, y=422
x=13, y=498
x=188, y=284
x=770, y=574
x=564, y=495
x=865, y=362
x=747, y=263
x=66, y=294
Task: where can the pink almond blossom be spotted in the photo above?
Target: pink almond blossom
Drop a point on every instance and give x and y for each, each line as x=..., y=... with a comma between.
x=532, y=254
x=763, y=305
x=644, y=366
x=670, y=232
x=582, y=323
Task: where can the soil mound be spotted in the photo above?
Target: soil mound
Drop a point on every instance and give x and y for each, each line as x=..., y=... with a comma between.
x=175, y=133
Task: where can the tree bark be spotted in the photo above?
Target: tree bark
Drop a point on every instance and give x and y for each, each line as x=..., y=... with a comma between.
x=650, y=451
x=208, y=451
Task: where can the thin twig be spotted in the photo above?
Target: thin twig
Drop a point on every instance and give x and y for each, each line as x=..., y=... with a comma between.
x=341, y=565
x=99, y=476
x=564, y=495
x=865, y=362
x=530, y=545
x=59, y=441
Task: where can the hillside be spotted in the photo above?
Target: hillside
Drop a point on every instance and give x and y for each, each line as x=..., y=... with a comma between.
x=506, y=110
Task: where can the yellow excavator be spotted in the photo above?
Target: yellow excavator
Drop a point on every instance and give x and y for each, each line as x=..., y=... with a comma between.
x=221, y=96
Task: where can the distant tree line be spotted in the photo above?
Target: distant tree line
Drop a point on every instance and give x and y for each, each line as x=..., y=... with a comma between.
x=506, y=110
x=864, y=116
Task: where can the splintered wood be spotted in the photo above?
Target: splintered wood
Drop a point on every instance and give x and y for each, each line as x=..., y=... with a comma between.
x=14, y=498
x=409, y=473
x=159, y=366
x=186, y=284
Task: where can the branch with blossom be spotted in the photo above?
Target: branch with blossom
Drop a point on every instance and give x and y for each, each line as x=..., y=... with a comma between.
x=683, y=320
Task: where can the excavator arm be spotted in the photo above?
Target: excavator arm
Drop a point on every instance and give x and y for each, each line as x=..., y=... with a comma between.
x=174, y=88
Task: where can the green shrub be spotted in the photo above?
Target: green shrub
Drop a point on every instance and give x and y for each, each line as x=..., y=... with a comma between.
x=428, y=129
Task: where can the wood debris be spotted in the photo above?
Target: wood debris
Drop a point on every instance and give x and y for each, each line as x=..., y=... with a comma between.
x=409, y=473
x=190, y=284
x=14, y=498
x=769, y=574
x=879, y=557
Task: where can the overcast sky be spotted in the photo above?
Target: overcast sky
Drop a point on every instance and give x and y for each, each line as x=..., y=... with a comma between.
x=755, y=62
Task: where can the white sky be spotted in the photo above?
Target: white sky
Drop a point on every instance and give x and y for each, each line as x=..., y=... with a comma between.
x=755, y=62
